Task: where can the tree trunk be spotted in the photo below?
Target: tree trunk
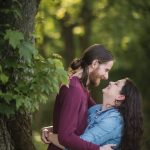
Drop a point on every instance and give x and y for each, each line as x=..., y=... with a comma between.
x=21, y=132
x=68, y=38
x=5, y=137
x=88, y=16
x=16, y=131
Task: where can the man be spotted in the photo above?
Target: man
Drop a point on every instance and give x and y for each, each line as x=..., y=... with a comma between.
x=72, y=103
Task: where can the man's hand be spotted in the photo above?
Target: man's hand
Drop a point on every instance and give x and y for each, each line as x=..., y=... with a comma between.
x=107, y=147
x=44, y=134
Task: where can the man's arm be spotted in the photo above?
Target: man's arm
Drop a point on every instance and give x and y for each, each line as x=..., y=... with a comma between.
x=68, y=123
x=54, y=139
x=91, y=102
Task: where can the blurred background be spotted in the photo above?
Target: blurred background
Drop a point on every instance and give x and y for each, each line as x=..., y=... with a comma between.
x=67, y=27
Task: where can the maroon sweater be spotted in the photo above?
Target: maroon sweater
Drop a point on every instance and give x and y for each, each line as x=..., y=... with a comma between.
x=70, y=116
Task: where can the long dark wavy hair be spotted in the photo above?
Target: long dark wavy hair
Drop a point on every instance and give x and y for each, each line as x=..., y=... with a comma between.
x=130, y=109
x=93, y=52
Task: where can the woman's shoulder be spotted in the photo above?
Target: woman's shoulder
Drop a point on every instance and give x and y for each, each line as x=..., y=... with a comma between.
x=114, y=112
x=114, y=115
x=94, y=108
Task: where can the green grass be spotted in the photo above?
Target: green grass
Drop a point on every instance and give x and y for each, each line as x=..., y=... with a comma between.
x=37, y=142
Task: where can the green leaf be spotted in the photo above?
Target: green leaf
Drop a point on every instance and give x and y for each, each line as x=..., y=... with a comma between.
x=11, y=62
x=6, y=109
x=27, y=50
x=3, y=78
x=57, y=63
x=14, y=37
x=43, y=98
x=19, y=102
x=57, y=56
x=9, y=96
x=62, y=76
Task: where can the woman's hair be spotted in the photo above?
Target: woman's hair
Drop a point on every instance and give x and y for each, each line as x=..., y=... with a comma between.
x=130, y=109
x=93, y=52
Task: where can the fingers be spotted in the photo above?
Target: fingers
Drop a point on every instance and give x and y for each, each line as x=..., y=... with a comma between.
x=108, y=147
x=113, y=146
x=49, y=128
x=44, y=136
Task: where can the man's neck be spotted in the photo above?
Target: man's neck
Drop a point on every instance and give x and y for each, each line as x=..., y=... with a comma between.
x=78, y=73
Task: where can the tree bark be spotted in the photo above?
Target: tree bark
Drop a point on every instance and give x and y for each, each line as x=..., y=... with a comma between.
x=68, y=38
x=87, y=16
x=21, y=132
x=5, y=137
x=16, y=131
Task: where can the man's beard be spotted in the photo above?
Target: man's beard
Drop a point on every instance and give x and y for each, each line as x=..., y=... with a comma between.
x=94, y=78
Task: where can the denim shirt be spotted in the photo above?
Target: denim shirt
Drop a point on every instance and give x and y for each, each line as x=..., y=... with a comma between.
x=104, y=126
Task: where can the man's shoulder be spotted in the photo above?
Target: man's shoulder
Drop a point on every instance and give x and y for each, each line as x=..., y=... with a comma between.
x=74, y=81
x=74, y=84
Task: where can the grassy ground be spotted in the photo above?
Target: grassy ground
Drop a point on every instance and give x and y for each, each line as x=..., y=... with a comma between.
x=37, y=142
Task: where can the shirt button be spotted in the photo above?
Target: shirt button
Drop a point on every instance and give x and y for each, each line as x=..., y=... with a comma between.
x=96, y=117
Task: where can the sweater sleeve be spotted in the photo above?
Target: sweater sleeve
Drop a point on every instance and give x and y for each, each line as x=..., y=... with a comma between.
x=91, y=102
x=68, y=121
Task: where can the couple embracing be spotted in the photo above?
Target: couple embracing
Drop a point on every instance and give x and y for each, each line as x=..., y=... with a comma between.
x=81, y=124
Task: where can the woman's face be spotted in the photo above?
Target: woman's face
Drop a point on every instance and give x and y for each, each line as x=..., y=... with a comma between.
x=114, y=88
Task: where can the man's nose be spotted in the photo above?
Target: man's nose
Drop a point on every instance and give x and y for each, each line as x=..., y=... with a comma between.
x=106, y=76
x=111, y=82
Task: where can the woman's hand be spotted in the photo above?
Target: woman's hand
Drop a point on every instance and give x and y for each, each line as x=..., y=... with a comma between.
x=108, y=147
x=44, y=134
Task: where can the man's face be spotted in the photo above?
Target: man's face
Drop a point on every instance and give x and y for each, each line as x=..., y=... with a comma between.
x=101, y=72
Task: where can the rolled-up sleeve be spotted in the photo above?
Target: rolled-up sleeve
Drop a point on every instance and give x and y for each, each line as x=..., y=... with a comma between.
x=101, y=132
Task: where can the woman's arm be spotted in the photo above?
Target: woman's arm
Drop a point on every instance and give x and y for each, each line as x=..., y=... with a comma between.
x=103, y=131
x=100, y=133
x=54, y=139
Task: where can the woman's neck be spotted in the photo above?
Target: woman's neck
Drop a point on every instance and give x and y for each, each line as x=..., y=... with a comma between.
x=106, y=103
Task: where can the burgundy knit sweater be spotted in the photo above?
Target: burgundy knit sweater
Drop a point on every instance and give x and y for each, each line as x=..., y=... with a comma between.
x=70, y=116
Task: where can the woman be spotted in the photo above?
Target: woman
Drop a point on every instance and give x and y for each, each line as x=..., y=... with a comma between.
x=118, y=120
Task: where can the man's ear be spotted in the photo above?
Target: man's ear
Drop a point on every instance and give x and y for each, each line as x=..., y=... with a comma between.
x=94, y=63
x=120, y=97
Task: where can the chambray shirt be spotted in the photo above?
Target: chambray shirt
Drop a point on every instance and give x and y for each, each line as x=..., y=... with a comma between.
x=104, y=126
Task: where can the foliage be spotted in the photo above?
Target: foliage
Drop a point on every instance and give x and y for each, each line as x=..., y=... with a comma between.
x=35, y=78
x=14, y=37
